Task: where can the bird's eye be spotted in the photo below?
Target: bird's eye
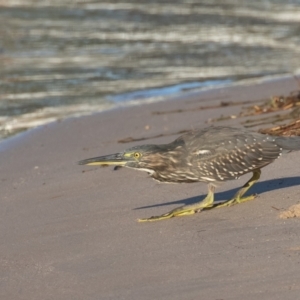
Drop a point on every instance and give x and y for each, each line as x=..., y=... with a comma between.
x=136, y=155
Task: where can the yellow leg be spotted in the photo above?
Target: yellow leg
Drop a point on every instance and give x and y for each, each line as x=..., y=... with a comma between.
x=186, y=210
x=238, y=197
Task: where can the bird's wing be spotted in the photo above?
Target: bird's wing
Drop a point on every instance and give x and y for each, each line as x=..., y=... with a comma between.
x=228, y=160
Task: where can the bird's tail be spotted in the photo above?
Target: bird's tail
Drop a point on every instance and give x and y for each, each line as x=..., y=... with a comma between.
x=289, y=143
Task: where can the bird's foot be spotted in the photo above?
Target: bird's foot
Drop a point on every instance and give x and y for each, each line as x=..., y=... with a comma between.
x=177, y=212
x=185, y=210
x=235, y=200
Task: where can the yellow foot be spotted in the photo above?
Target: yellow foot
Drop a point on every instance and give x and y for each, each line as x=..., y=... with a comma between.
x=186, y=210
x=236, y=200
x=177, y=212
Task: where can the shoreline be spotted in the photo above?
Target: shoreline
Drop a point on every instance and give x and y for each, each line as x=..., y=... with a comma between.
x=87, y=111
x=70, y=232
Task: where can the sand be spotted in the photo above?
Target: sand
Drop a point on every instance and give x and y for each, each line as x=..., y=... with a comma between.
x=70, y=231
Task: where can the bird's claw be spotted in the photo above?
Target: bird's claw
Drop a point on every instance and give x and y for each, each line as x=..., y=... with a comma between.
x=236, y=200
x=178, y=212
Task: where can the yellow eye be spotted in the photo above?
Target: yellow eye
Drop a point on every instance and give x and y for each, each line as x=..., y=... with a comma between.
x=137, y=155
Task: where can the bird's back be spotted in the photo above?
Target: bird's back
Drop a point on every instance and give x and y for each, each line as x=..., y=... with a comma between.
x=224, y=153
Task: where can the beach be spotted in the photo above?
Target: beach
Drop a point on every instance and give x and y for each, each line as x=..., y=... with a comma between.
x=71, y=232
x=68, y=58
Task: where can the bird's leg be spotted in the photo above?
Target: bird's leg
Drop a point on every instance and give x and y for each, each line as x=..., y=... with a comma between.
x=186, y=210
x=238, y=197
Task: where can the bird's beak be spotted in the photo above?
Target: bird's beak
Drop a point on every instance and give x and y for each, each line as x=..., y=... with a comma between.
x=116, y=159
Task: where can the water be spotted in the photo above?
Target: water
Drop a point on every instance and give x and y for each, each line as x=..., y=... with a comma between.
x=68, y=58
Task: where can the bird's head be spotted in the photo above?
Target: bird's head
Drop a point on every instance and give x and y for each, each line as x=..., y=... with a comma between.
x=146, y=157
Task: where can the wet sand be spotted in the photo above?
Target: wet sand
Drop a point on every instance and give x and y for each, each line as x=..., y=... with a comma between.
x=70, y=231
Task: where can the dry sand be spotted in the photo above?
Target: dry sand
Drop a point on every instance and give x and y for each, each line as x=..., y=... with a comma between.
x=70, y=232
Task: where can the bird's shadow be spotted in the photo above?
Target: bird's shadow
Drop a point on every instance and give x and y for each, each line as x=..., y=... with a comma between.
x=258, y=188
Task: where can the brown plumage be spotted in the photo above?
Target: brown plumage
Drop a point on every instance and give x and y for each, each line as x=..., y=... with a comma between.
x=210, y=155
